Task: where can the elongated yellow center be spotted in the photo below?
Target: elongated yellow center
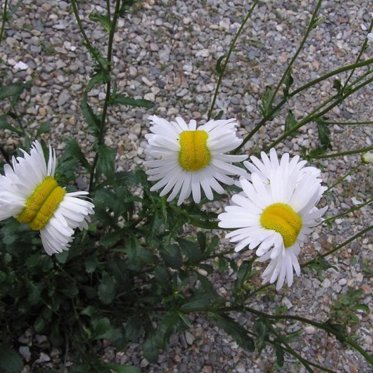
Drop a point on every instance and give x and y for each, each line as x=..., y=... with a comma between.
x=41, y=204
x=281, y=218
x=194, y=154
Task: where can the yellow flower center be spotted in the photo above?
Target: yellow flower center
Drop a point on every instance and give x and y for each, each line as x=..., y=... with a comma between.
x=194, y=154
x=41, y=204
x=281, y=218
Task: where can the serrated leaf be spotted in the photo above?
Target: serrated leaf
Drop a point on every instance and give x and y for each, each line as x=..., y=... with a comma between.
x=218, y=67
x=111, y=238
x=261, y=329
x=280, y=355
x=90, y=117
x=172, y=256
x=104, y=20
x=73, y=150
x=101, y=77
x=235, y=330
x=106, y=289
x=191, y=250
x=198, y=302
x=128, y=101
x=138, y=256
x=10, y=361
x=324, y=134
x=266, y=102
x=106, y=160
x=243, y=273
x=288, y=82
x=4, y=125
x=13, y=91
x=134, y=328
x=290, y=121
x=43, y=128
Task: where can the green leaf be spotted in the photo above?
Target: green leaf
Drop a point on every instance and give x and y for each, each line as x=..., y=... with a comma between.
x=280, y=355
x=138, y=256
x=235, y=330
x=288, y=82
x=261, y=329
x=102, y=329
x=118, y=368
x=218, y=67
x=43, y=128
x=90, y=117
x=106, y=289
x=243, y=273
x=337, y=85
x=134, y=328
x=13, y=91
x=266, y=103
x=290, y=121
x=72, y=149
x=111, y=238
x=162, y=277
x=104, y=20
x=10, y=361
x=191, y=250
x=90, y=264
x=128, y=101
x=324, y=134
x=4, y=125
x=106, y=160
x=101, y=77
x=172, y=256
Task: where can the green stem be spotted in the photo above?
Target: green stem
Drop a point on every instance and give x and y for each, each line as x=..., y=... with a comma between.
x=340, y=154
x=226, y=59
x=352, y=209
x=363, y=47
x=101, y=137
x=328, y=75
x=338, y=247
x=364, y=123
x=3, y=20
x=317, y=113
x=80, y=25
x=311, y=25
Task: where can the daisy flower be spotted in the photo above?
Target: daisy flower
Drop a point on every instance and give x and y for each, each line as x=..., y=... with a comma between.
x=275, y=212
x=184, y=158
x=30, y=193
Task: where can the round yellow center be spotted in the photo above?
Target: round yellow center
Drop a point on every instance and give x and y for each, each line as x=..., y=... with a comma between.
x=41, y=204
x=194, y=154
x=281, y=218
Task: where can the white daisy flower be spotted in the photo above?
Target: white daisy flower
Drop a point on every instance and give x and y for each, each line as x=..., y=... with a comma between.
x=183, y=158
x=275, y=212
x=30, y=193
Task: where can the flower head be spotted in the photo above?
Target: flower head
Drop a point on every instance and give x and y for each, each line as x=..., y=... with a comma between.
x=30, y=193
x=275, y=212
x=183, y=158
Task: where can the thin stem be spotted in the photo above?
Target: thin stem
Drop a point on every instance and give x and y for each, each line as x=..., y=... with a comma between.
x=226, y=59
x=109, y=57
x=339, y=180
x=80, y=25
x=311, y=25
x=328, y=75
x=316, y=113
x=352, y=209
x=364, y=123
x=363, y=47
x=341, y=154
x=3, y=20
x=338, y=247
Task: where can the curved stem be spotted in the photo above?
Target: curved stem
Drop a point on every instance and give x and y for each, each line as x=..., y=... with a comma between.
x=101, y=137
x=3, y=20
x=328, y=75
x=317, y=113
x=340, y=154
x=352, y=209
x=226, y=59
x=363, y=47
x=311, y=25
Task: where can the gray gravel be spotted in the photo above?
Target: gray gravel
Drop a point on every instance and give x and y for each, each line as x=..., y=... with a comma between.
x=166, y=52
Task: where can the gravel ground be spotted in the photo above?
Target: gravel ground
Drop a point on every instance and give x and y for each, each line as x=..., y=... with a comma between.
x=166, y=51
